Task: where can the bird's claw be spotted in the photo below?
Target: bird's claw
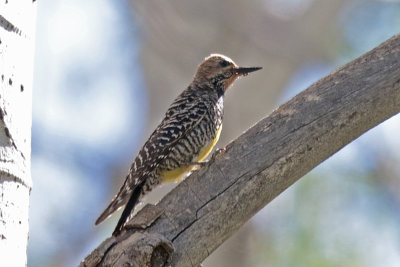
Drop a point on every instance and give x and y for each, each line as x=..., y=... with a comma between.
x=216, y=153
x=201, y=164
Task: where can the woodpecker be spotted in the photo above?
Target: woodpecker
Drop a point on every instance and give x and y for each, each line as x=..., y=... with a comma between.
x=187, y=134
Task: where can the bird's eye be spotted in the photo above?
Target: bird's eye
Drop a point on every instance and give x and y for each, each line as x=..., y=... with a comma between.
x=224, y=63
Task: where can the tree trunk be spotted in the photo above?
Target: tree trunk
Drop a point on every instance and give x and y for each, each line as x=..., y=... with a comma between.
x=210, y=205
x=17, y=21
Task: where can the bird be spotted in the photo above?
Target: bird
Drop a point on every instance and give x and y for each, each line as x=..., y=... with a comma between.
x=186, y=135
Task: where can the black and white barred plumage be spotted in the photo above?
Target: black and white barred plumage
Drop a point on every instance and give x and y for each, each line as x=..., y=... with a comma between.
x=186, y=135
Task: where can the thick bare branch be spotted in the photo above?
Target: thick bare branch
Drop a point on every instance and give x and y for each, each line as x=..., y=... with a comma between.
x=211, y=204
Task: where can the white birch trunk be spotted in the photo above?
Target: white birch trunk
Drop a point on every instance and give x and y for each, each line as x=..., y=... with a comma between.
x=17, y=24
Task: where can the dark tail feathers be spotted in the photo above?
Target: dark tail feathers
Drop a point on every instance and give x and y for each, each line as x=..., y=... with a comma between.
x=128, y=209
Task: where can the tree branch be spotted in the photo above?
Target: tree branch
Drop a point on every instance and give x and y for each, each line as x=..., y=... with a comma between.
x=211, y=204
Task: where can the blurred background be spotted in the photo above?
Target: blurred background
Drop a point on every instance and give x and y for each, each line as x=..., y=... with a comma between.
x=106, y=71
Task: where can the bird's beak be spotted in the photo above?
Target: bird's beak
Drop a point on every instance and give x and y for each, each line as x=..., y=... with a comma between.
x=244, y=71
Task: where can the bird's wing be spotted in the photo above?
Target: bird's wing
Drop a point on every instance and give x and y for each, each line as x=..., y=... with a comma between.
x=181, y=117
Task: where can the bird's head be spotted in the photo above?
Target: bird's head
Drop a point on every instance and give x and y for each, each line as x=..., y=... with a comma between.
x=220, y=71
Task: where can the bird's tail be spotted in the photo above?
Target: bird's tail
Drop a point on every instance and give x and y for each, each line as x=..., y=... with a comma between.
x=117, y=202
x=133, y=200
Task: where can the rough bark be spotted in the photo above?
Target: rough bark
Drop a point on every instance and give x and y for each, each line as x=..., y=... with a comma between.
x=17, y=20
x=210, y=205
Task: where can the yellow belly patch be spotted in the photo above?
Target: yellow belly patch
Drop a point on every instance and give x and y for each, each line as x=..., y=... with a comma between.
x=178, y=173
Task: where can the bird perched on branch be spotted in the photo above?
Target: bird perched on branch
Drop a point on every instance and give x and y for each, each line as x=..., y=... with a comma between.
x=184, y=138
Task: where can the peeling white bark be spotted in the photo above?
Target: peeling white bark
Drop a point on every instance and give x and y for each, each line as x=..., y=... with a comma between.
x=17, y=22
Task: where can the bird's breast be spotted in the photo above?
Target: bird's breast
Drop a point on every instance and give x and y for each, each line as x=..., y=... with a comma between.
x=177, y=173
x=205, y=151
x=196, y=143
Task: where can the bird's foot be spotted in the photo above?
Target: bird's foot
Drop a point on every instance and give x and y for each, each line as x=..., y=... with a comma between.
x=216, y=153
x=199, y=163
x=211, y=160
